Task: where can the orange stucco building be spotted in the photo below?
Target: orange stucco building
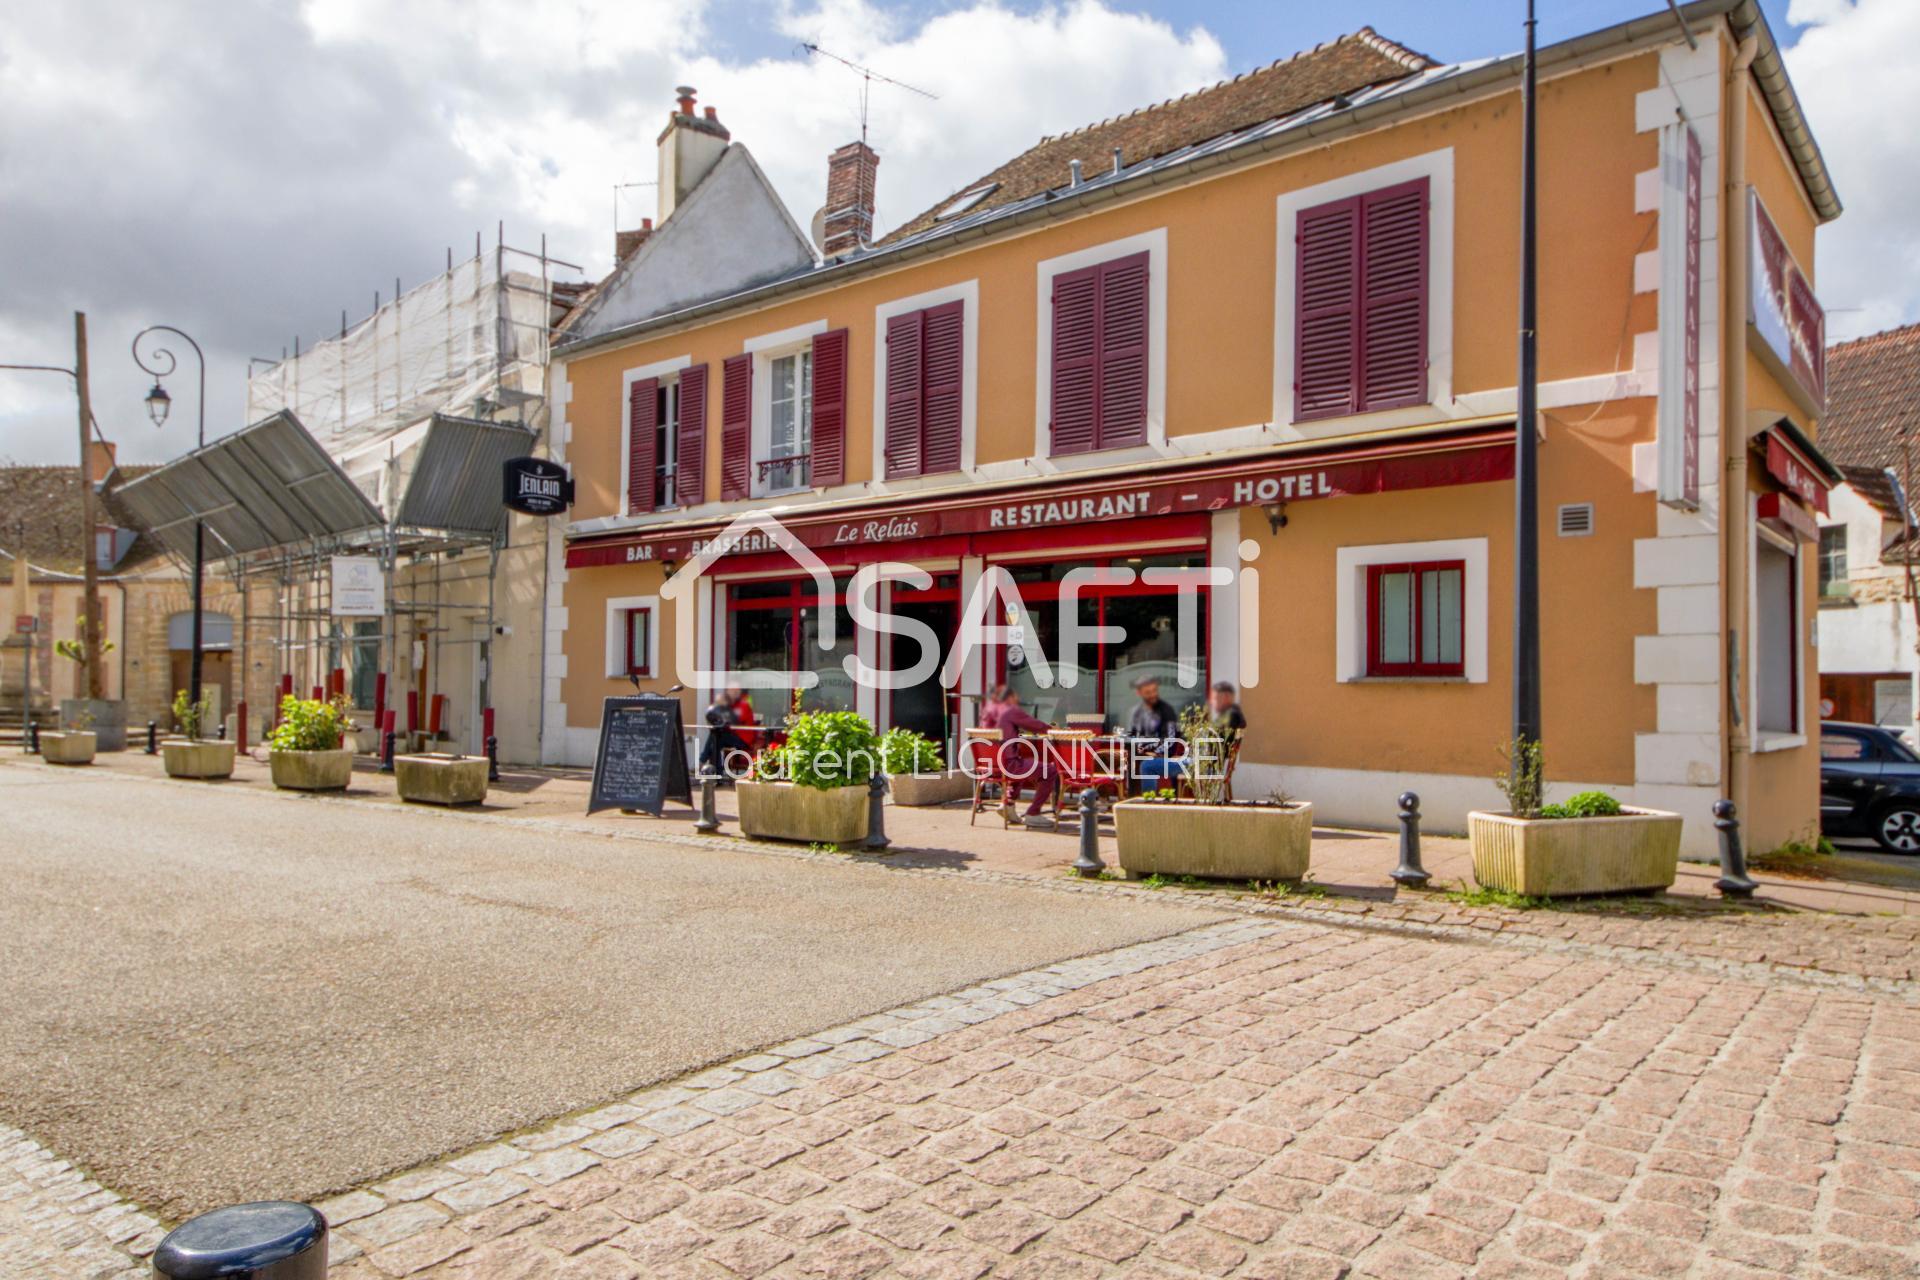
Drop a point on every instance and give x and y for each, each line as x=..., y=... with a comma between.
x=1270, y=325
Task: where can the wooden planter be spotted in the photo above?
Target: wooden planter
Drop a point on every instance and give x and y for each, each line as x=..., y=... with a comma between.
x=923, y=789
x=311, y=770
x=1221, y=841
x=441, y=779
x=197, y=758
x=783, y=811
x=68, y=746
x=1566, y=857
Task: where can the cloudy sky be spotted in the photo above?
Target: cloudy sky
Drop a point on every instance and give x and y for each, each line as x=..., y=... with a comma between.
x=246, y=170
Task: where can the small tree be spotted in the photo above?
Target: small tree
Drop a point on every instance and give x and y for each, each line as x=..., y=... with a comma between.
x=1523, y=782
x=191, y=717
x=1209, y=743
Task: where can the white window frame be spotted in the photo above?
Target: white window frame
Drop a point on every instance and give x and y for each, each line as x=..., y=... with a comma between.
x=966, y=293
x=662, y=369
x=765, y=349
x=616, y=656
x=1437, y=168
x=1154, y=244
x=1351, y=613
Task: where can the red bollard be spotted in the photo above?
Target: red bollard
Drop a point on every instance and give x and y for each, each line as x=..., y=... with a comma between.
x=413, y=711
x=486, y=723
x=379, y=699
x=339, y=682
x=436, y=709
x=240, y=725
x=319, y=694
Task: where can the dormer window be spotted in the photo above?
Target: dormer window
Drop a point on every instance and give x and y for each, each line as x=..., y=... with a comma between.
x=965, y=201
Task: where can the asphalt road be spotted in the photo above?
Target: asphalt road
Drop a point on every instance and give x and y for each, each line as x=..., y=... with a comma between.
x=212, y=996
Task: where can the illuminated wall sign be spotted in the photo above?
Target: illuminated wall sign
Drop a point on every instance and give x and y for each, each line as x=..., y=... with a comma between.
x=1785, y=325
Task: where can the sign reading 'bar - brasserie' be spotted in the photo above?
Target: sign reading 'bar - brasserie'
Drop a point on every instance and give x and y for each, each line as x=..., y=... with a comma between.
x=1482, y=462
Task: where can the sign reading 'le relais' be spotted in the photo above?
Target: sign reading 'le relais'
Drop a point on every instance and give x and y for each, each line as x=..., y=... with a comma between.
x=1785, y=320
x=536, y=486
x=1485, y=455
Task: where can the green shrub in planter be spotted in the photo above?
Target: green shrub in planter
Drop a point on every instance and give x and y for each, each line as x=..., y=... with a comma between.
x=1588, y=804
x=191, y=717
x=829, y=749
x=902, y=752
x=307, y=724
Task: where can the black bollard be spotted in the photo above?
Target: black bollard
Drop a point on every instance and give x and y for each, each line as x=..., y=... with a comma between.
x=709, y=820
x=153, y=738
x=493, y=758
x=877, y=812
x=33, y=737
x=1089, y=864
x=386, y=751
x=267, y=1240
x=1410, y=873
x=220, y=732
x=1734, y=881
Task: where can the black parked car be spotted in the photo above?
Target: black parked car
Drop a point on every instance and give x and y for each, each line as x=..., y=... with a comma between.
x=1869, y=786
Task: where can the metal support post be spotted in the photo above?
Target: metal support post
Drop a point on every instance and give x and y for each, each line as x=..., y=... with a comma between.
x=877, y=811
x=1089, y=863
x=1410, y=873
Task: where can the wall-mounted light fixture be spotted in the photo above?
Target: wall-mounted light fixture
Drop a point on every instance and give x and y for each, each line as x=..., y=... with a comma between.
x=1276, y=513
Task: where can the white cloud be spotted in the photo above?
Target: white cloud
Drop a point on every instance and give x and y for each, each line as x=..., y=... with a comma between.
x=1852, y=68
x=246, y=171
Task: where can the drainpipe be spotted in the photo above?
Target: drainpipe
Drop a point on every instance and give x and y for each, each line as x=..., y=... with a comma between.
x=1734, y=533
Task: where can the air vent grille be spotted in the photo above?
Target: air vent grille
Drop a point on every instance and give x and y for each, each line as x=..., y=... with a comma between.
x=1576, y=519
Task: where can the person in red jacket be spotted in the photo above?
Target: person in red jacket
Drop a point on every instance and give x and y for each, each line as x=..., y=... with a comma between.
x=1026, y=762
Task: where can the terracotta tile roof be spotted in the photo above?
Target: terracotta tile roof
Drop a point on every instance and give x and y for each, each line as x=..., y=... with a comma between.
x=41, y=506
x=1873, y=396
x=1877, y=487
x=1341, y=66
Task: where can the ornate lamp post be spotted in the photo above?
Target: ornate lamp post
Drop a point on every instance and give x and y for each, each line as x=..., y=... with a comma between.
x=158, y=404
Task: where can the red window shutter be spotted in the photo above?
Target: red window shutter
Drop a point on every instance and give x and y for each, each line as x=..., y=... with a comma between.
x=830, y=408
x=1076, y=350
x=643, y=426
x=736, y=427
x=944, y=360
x=1123, y=353
x=1327, y=317
x=1393, y=334
x=905, y=394
x=690, y=461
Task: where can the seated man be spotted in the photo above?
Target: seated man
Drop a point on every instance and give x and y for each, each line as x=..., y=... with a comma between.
x=729, y=714
x=1154, y=734
x=1026, y=762
x=1224, y=714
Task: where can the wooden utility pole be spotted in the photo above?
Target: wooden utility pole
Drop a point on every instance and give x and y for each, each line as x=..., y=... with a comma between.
x=90, y=559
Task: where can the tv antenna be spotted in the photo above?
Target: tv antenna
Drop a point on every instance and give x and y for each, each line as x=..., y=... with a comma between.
x=618, y=187
x=867, y=77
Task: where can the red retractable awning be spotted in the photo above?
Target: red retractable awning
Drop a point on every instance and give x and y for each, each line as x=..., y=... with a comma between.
x=1478, y=455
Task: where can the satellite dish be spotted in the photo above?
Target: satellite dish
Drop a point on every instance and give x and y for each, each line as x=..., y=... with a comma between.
x=820, y=228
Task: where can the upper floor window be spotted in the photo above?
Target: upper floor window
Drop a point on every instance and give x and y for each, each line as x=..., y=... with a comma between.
x=1360, y=323
x=664, y=439
x=1101, y=318
x=1833, y=561
x=924, y=364
x=789, y=461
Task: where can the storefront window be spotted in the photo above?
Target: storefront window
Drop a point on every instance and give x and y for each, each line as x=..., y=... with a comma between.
x=364, y=667
x=1776, y=638
x=1152, y=651
x=775, y=626
x=1417, y=628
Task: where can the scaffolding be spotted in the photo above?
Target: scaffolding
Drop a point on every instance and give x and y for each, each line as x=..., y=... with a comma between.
x=417, y=404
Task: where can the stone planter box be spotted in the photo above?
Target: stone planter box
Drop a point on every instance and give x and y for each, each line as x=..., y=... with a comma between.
x=782, y=811
x=68, y=746
x=311, y=770
x=921, y=789
x=1220, y=841
x=1565, y=857
x=197, y=758
x=107, y=720
x=441, y=779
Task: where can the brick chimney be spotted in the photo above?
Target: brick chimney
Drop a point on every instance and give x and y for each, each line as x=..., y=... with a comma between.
x=625, y=243
x=849, y=213
x=100, y=461
x=690, y=146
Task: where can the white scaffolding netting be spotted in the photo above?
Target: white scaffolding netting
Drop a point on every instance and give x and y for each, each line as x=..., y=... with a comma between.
x=472, y=342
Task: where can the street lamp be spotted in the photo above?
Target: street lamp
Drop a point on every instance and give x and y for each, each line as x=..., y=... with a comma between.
x=158, y=404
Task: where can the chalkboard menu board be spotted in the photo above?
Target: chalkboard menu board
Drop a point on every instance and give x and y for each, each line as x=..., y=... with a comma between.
x=642, y=762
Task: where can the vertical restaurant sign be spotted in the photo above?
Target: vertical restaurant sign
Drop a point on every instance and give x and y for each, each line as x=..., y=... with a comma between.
x=359, y=589
x=1784, y=320
x=1680, y=205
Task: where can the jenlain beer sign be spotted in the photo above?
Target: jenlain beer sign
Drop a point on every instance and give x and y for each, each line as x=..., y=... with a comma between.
x=536, y=486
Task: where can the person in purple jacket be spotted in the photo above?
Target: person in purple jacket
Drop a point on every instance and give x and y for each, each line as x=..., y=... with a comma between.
x=1026, y=762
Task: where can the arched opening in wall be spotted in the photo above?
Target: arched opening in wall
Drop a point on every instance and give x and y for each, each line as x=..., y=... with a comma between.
x=216, y=657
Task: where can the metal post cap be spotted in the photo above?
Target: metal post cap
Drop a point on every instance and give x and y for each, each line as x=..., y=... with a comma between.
x=247, y=1240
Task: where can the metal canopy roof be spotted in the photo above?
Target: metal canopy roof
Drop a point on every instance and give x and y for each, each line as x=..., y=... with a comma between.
x=266, y=485
x=455, y=485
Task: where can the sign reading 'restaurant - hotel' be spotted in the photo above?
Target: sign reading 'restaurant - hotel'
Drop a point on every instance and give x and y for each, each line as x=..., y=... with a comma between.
x=1478, y=455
